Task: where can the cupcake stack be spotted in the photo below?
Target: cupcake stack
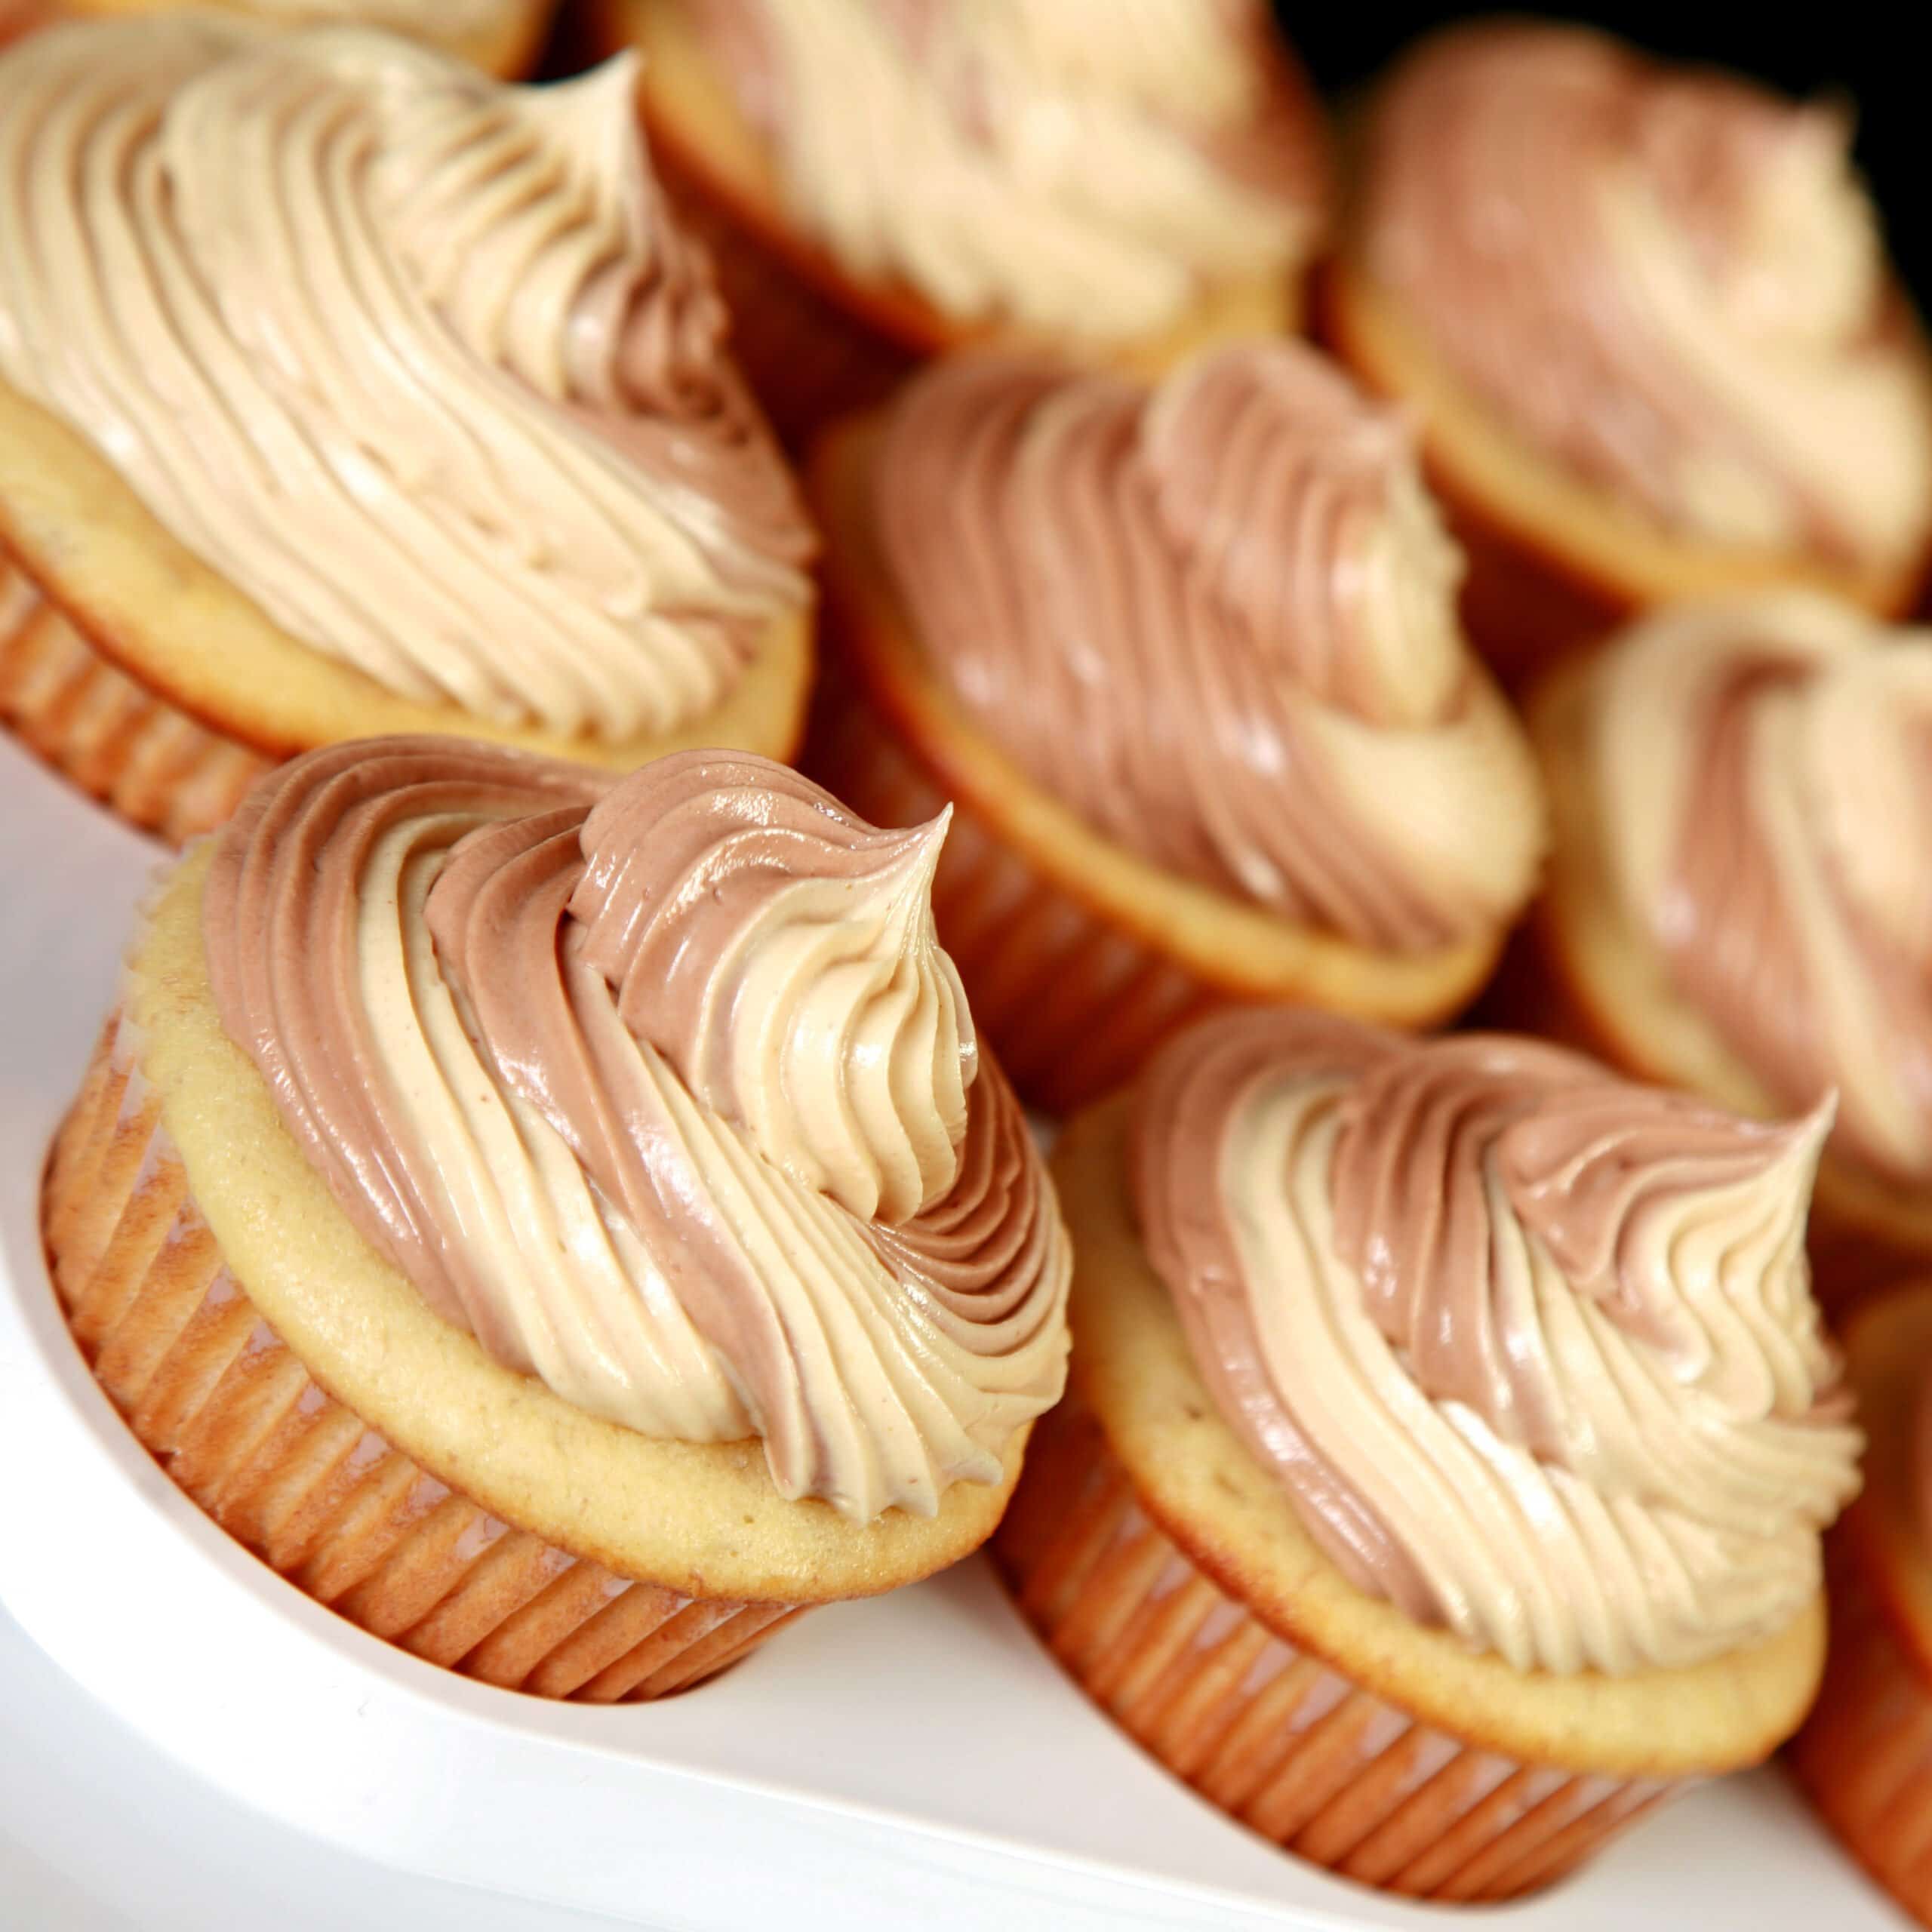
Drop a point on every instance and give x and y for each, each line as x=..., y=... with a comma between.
x=557, y=1184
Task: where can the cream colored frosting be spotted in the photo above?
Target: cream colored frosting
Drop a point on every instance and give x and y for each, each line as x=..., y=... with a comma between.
x=663, y=1088
x=1532, y=1350
x=1671, y=281
x=418, y=360
x=1217, y=619
x=1762, y=774
x=1081, y=168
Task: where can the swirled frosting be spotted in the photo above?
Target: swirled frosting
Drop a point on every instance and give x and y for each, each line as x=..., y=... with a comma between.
x=416, y=361
x=1669, y=281
x=663, y=1088
x=1531, y=1349
x=1217, y=620
x=1761, y=772
x=1081, y=167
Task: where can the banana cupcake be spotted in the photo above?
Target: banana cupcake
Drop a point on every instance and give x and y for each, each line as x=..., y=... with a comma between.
x=1864, y=1757
x=1451, y=1432
x=1739, y=898
x=502, y=37
x=1186, y=659
x=1645, y=316
x=343, y=390
x=880, y=182
x=563, y=1223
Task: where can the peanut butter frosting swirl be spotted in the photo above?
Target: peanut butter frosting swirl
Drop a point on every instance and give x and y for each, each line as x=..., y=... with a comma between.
x=1669, y=281
x=1217, y=620
x=663, y=1088
x=1082, y=168
x=1761, y=772
x=416, y=361
x=1531, y=1349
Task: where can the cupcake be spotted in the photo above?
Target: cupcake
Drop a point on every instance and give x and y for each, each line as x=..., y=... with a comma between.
x=1440, y=1485
x=342, y=390
x=1865, y=1758
x=1737, y=898
x=1645, y=317
x=1186, y=658
x=563, y=1223
x=879, y=183
x=502, y=37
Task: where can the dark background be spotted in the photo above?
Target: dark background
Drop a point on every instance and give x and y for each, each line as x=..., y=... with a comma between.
x=1861, y=52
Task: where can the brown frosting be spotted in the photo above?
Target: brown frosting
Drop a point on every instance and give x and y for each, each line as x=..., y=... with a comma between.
x=1216, y=619
x=1763, y=770
x=416, y=360
x=662, y=1088
x=1668, y=281
x=1531, y=1349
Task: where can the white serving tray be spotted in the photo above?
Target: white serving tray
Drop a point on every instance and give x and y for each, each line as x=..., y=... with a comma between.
x=917, y=1760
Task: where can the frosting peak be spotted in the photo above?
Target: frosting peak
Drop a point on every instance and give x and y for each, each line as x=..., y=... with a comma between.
x=1217, y=619
x=1671, y=281
x=416, y=361
x=1532, y=1350
x=662, y=1088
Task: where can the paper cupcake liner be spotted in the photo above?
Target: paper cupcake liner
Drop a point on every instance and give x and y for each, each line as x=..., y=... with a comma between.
x=233, y=1416
x=1271, y=1735
x=1865, y=1755
x=1073, y=1004
x=154, y=765
x=808, y=361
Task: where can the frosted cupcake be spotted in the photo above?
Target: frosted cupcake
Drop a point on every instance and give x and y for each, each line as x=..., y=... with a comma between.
x=880, y=182
x=1186, y=659
x=343, y=390
x=502, y=37
x=1737, y=900
x=1646, y=317
x=565, y=1225
x=1451, y=1432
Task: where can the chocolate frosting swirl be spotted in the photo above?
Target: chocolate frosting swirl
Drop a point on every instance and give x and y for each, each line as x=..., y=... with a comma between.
x=1668, y=281
x=662, y=1088
x=1217, y=620
x=416, y=361
x=1082, y=169
x=1762, y=774
x=1532, y=1350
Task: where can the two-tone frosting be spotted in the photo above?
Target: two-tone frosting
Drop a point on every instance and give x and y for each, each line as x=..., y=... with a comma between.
x=1670, y=281
x=1531, y=1350
x=1080, y=168
x=416, y=361
x=663, y=1088
x=1760, y=781
x=1216, y=619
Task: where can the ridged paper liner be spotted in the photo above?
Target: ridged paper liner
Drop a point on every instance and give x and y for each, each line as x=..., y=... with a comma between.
x=1071, y=1005
x=1270, y=1734
x=236, y=1420
x=1864, y=1755
x=808, y=361
x=155, y=766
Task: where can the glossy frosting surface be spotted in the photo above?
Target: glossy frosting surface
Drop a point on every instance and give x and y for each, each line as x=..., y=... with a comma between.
x=1081, y=167
x=1216, y=619
x=1667, y=279
x=418, y=361
x=661, y=1087
x=1532, y=1350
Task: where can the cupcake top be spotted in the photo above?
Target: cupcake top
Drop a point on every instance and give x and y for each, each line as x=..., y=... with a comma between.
x=1531, y=1349
x=1668, y=281
x=663, y=1088
x=1217, y=620
x=415, y=360
x=1079, y=168
x=1762, y=772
